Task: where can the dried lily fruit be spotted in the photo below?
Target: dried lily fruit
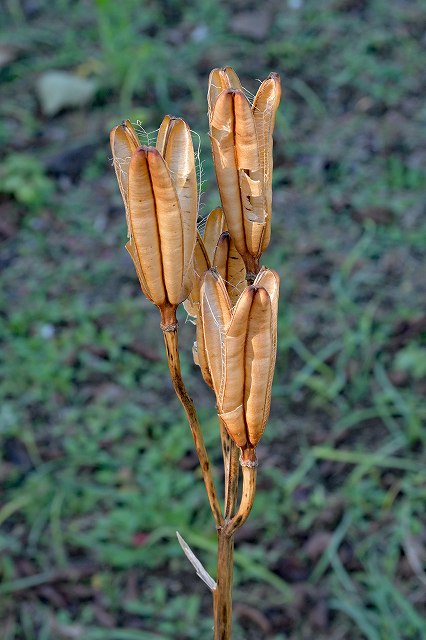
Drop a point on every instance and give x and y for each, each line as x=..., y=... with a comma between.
x=236, y=326
x=241, y=137
x=215, y=314
x=223, y=256
x=264, y=109
x=203, y=257
x=215, y=224
x=216, y=249
x=124, y=142
x=240, y=351
x=230, y=265
x=220, y=80
x=159, y=190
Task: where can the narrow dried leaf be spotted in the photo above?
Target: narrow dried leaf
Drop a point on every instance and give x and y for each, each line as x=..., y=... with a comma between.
x=199, y=569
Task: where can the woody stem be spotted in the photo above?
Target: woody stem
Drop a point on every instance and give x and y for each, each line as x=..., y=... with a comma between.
x=171, y=343
x=222, y=595
x=247, y=498
x=231, y=466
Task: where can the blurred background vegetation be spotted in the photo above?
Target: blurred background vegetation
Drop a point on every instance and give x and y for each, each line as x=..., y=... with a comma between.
x=97, y=468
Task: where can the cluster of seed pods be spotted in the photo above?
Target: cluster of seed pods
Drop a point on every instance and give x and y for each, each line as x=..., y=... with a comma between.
x=232, y=300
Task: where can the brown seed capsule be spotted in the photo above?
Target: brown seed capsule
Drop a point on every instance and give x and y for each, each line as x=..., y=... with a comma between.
x=124, y=142
x=236, y=156
x=240, y=350
x=215, y=314
x=241, y=138
x=215, y=225
x=203, y=257
x=160, y=195
x=264, y=109
x=201, y=263
x=220, y=80
x=230, y=265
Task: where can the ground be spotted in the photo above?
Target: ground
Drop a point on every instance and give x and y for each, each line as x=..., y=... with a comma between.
x=98, y=470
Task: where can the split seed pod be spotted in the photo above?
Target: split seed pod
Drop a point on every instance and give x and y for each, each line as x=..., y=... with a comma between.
x=230, y=266
x=220, y=80
x=241, y=138
x=124, y=142
x=241, y=353
x=216, y=249
x=264, y=109
x=203, y=257
x=160, y=195
x=215, y=314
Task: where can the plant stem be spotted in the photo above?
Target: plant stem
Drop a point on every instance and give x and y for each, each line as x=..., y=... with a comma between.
x=171, y=342
x=231, y=466
x=247, y=499
x=222, y=595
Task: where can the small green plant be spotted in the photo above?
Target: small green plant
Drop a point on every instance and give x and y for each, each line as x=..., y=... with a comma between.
x=23, y=177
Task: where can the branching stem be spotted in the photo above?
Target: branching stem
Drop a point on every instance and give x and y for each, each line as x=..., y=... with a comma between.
x=171, y=342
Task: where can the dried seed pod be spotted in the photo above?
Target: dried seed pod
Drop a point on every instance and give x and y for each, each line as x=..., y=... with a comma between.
x=215, y=225
x=201, y=263
x=215, y=313
x=175, y=145
x=124, y=142
x=201, y=355
x=230, y=265
x=156, y=226
x=203, y=257
x=270, y=280
x=240, y=349
x=264, y=109
x=159, y=190
x=259, y=366
x=236, y=157
x=220, y=80
x=242, y=153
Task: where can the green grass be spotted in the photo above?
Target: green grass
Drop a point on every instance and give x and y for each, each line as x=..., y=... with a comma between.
x=97, y=469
